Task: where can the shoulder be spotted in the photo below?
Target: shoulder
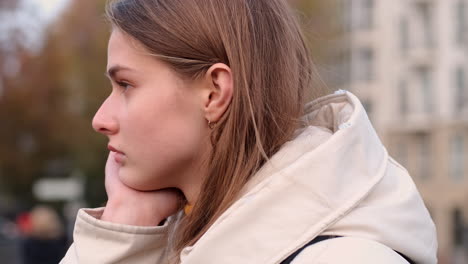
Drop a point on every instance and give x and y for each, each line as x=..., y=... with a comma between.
x=349, y=250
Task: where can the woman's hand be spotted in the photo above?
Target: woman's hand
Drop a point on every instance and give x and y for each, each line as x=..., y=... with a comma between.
x=129, y=206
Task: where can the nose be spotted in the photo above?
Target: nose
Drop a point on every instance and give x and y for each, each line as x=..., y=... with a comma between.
x=105, y=121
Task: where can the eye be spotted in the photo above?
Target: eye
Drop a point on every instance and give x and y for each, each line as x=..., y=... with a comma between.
x=124, y=85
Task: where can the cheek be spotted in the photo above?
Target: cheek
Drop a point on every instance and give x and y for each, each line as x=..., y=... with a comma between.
x=163, y=160
x=165, y=143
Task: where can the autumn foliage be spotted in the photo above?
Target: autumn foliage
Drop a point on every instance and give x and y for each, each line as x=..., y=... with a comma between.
x=46, y=109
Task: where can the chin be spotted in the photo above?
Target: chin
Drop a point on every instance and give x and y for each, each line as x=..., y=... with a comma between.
x=137, y=183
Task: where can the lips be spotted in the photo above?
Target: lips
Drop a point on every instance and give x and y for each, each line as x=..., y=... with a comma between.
x=119, y=156
x=111, y=148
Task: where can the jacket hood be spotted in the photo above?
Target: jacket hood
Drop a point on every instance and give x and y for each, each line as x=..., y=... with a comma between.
x=334, y=178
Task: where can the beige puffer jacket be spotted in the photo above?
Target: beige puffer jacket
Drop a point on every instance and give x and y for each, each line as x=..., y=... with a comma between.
x=334, y=178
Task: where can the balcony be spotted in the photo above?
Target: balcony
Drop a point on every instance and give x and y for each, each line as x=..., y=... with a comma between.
x=417, y=122
x=421, y=57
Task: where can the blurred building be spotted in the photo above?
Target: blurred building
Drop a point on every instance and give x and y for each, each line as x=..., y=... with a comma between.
x=408, y=62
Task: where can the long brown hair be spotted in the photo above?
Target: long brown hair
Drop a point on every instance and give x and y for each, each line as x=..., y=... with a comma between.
x=261, y=41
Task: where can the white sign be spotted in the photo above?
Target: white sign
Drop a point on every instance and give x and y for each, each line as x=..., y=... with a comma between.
x=68, y=189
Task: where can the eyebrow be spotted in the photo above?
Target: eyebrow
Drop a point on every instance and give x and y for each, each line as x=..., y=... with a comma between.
x=114, y=69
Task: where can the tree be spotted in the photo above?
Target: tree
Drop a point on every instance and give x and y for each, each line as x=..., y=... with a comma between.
x=323, y=26
x=8, y=4
x=45, y=111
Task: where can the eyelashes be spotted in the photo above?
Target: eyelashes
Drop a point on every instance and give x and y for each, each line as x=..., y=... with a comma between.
x=121, y=84
x=124, y=85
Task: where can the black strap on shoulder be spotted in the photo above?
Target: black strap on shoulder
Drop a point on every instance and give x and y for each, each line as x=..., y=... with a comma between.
x=406, y=258
x=322, y=238
x=315, y=240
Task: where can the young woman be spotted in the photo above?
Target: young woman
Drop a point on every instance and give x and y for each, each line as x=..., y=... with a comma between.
x=215, y=157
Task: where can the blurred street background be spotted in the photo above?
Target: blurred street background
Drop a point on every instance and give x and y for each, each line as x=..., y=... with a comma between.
x=407, y=60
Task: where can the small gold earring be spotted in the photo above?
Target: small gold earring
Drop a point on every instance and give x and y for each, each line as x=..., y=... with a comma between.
x=211, y=125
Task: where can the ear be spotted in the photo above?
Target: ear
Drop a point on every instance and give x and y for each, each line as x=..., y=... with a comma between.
x=218, y=93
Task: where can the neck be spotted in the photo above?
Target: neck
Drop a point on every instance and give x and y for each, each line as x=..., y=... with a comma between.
x=191, y=191
x=191, y=183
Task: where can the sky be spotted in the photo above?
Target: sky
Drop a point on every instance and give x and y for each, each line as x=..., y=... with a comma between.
x=50, y=8
x=32, y=18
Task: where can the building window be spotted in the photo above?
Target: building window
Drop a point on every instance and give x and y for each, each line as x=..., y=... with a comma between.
x=461, y=97
x=363, y=67
x=424, y=157
x=424, y=79
x=347, y=11
x=457, y=157
x=341, y=70
x=368, y=107
x=458, y=227
x=461, y=21
x=402, y=153
x=403, y=98
x=367, y=14
x=424, y=15
x=404, y=36
x=362, y=14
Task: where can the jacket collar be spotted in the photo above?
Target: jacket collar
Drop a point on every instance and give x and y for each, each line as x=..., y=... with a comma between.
x=311, y=183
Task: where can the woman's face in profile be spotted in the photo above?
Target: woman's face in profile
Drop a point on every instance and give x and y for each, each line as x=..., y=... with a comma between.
x=152, y=117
